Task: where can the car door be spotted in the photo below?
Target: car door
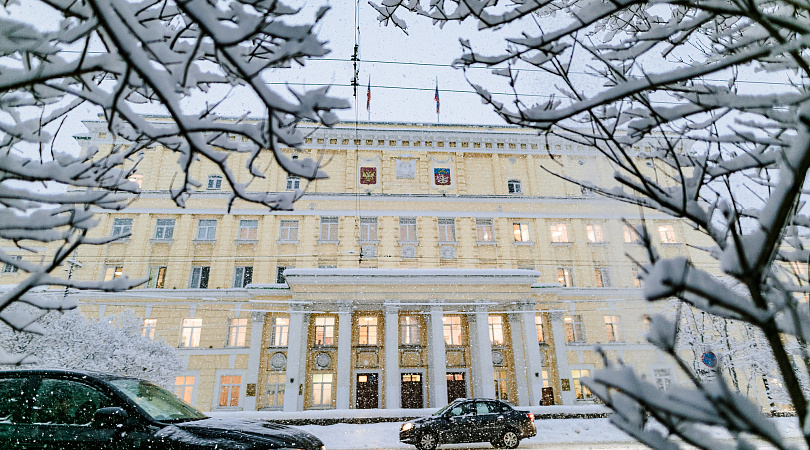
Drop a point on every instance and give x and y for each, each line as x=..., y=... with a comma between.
x=489, y=420
x=462, y=423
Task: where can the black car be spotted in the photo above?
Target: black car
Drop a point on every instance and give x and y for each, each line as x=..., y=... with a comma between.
x=470, y=420
x=66, y=410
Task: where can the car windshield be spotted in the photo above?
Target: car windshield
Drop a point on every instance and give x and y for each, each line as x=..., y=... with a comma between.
x=156, y=402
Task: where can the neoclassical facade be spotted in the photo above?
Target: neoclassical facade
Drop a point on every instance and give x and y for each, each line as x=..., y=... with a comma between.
x=436, y=262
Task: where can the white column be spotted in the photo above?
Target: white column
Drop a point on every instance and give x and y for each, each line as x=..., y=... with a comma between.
x=296, y=360
x=563, y=371
x=437, y=370
x=392, y=379
x=518, y=358
x=254, y=357
x=343, y=388
x=534, y=359
x=483, y=374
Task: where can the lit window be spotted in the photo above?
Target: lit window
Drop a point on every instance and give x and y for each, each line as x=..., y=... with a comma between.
x=612, y=327
x=631, y=235
x=496, y=330
x=514, y=186
x=329, y=229
x=368, y=229
x=574, y=331
x=409, y=330
x=293, y=183
x=274, y=389
x=122, y=227
x=559, y=232
x=367, y=332
x=501, y=386
x=206, y=229
x=322, y=389
x=667, y=233
x=157, y=277
x=190, y=333
x=565, y=276
x=484, y=230
x=595, y=233
x=636, y=279
x=521, y=232
x=148, y=328
x=242, y=276
x=452, y=330
x=281, y=331
x=248, y=230
x=184, y=387
x=602, y=277
x=324, y=331
x=447, y=230
x=663, y=378
x=113, y=272
x=580, y=391
x=229, y=387
x=407, y=229
x=10, y=267
x=289, y=231
x=214, y=182
x=136, y=179
x=164, y=230
x=199, y=277
x=538, y=322
x=237, y=330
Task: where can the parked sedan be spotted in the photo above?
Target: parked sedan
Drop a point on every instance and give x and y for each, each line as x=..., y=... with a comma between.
x=66, y=410
x=470, y=420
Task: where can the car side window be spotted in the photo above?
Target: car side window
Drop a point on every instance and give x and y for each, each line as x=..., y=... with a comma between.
x=486, y=408
x=13, y=405
x=67, y=402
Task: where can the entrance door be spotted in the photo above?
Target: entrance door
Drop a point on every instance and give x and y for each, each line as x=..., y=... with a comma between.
x=411, y=390
x=456, y=386
x=367, y=391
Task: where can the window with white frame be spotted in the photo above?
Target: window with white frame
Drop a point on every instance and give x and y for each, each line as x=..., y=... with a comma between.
x=521, y=232
x=447, y=230
x=559, y=232
x=514, y=186
x=229, y=387
x=667, y=233
x=602, y=277
x=565, y=276
x=293, y=183
x=281, y=331
x=321, y=389
x=237, y=331
x=501, y=385
x=248, y=230
x=329, y=229
x=409, y=330
x=407, y=229
x=11, y=267
x=324, y=330
x=190, y=333
x=164, y=229
x=452, y=330
x=157, y=277
x=612, y=327
x=113, y=271
x=663, y=378
x=148, y=328
x=595, y=234
x=538, y=322
x=206, y=229
x=289, y=231
x=242, y=276
x=574, y=330
x=214, y=182
x=496, y=331
x=367, y=330
x=631, y=235
x=121, y=227
x=580, y=391
x=368, y=229
x=274, y=390
x=485, y=230
x=184, y=387
x=199, y=277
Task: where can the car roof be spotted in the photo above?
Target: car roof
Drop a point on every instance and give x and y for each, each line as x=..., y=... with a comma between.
x=76, y=373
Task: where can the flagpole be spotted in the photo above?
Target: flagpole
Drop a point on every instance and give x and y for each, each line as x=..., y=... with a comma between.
x=436, y=97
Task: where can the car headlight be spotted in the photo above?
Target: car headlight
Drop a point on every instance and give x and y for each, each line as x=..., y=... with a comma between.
x=407, y=426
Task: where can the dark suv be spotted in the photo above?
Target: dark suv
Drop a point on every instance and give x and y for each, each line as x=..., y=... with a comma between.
x=65, y=410
x=470, y=420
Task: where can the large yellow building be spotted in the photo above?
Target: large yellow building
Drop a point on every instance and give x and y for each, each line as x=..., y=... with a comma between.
x=435, y=262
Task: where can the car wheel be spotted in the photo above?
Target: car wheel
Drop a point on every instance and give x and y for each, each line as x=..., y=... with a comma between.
x=509, y=439
x=427, y=441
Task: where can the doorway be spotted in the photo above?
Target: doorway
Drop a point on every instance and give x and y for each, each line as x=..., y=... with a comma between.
x=411, y=390
x=367, y=391
x=456, y=386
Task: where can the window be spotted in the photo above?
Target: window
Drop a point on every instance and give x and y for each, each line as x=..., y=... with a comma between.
x=367, y=333
x=612, y=327
x=184, y=387
x=113, y=272
x=242, y=276
x=229, y=387
x=452, y=330
x=630, y=235
x=10, y=267
x=237, y=330
x=496, y=330
x=274, y=389
x=565, y=276
x=447, y=230
x=214, y=182
x=580, y=391
x=66, y=402
x=409, y=330
x=164, y=230
x=484, y=230
x=122, y=227
x=667, y=233
x=289, y=231
x=329, y=229
x=663, y=378
x=199, y=277
x=514, y=186
x=157, y=277
x=148, y=328
x=538, y=322
x=324, y=331
x=280, y=273
x=574, y=331
x=602, y=277
x=206, y=229
x=407, y=229
x=136, y=179
x=521, y=232
x=281, y=331
x=248, y=230
x=368, y=229
x=322, y=389
x=595, y=234
x=190, y=333
x=636, y=279
x=293, y=183
x=559, y=232
x=501, y=385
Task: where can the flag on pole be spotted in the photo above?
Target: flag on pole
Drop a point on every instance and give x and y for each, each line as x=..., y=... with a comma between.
x=436, y=96
x=368, y=95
